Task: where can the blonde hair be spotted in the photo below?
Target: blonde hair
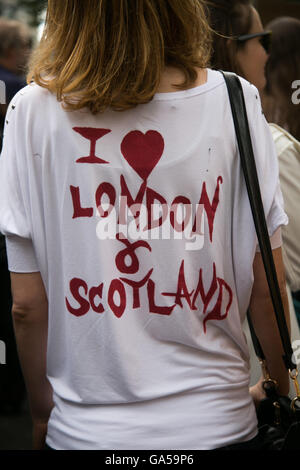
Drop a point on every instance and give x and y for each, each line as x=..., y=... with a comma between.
x=111, y=53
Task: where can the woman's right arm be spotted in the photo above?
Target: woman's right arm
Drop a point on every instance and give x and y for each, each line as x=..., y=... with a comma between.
x=264, y=320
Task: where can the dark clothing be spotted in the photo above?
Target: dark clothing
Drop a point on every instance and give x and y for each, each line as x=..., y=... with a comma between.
x=13, y=84
x=47, y=447
x=296, y=301
x=12, y=387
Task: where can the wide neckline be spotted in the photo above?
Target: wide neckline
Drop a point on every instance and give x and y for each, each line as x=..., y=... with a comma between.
x=214, y=78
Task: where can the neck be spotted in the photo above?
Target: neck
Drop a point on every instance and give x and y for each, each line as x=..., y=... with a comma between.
x=172, y=76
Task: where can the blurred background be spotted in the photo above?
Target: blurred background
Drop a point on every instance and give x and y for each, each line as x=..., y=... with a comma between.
x=15, y=423
x=17, y=38
x=28, y=11
x=271, y=9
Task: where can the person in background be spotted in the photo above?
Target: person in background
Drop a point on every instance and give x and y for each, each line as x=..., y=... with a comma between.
x=127, y=341
x=15, y=44
x=242, y=45
x=282, y=110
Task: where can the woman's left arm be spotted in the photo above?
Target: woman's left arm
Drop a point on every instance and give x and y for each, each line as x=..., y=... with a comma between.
x=30, y=317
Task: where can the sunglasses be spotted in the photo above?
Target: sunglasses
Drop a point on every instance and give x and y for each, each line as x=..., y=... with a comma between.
x=265, y=38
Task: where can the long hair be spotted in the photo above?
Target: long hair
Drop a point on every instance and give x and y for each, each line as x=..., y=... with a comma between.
x=111, y=53
x=228, y=19
x=282, y=69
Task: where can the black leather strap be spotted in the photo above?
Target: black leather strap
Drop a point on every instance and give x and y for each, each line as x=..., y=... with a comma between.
x=241, y=124
x=256, y=344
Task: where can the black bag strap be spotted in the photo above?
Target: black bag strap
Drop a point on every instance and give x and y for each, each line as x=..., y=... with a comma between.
x=239, y=112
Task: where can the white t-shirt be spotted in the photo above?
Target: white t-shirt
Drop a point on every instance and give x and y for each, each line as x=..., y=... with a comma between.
x=288, y=151
x=145, y=344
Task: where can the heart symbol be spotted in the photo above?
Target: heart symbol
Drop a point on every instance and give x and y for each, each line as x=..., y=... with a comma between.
x=143, y=151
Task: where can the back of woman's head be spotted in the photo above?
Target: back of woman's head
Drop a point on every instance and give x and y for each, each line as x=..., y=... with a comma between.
x=282, y=69
x=283, y=65
x=111, y=53
x=228, y=18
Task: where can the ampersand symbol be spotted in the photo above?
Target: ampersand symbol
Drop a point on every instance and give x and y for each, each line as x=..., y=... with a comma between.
x=133, y=267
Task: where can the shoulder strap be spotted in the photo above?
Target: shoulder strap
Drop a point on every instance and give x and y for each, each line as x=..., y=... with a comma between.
x=241, y=124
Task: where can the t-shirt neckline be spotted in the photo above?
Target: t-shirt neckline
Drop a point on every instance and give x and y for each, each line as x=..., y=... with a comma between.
x=213, y=78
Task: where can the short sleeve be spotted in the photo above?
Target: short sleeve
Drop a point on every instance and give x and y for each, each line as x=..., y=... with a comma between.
x=14, y=195
x=21, y=255
x=266, y=163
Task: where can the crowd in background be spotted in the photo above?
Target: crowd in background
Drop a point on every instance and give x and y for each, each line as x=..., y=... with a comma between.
x=15, y=46
x=271, y=61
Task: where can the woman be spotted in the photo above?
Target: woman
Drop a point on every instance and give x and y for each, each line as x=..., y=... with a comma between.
x=15, y=44
x=281, y=97
x=130, y=239
x=240, y=43
x=242, y=46
x=281, y=105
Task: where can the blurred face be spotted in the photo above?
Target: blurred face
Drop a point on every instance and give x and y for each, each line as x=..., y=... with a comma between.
x=252, y=57
x=18, y=58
